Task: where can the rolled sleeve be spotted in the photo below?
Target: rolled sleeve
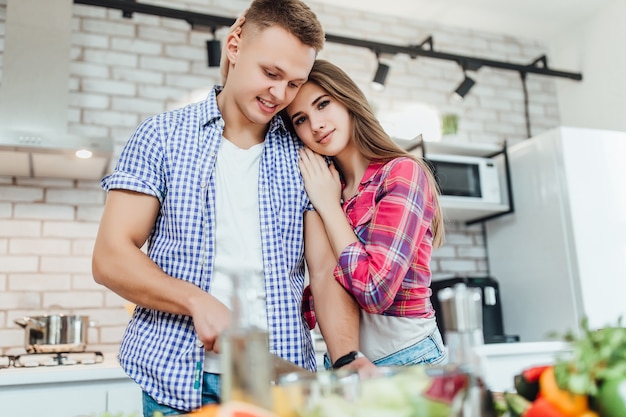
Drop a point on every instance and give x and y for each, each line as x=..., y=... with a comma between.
x=140, y=165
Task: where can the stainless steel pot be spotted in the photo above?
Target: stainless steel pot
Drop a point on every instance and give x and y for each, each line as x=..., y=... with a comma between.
x=55, y=333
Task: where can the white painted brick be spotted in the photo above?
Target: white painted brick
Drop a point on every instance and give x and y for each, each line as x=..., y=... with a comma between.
x=163, y=93
x=188, y=52
x=131, y=104
x=86, y=282
x=72, y=299
x=69, y=229
x=89, y=185
x=186, y=81
x=20, y=299
x=6, y=210
x=482, y=265
x=89, y=131
x=39, y=282
x=89, y=101
x=4, y=249
x=88, y=69
x=456, y=238
x=471, y=252
x=105, y=317
x=90, y=40
x=110, y=118
x=109, y=27
x=88, y=11
x=135, y=75
x=112, y=334
x=458, y=265
x=39, y=246
x=163, y=64
x=89, y=213
x=446, y=251
x=137, y=46
x=165, y=36
x=11, y=338
x=83, y=247
x=18, y=263
x=74, y=196
x=112, y=87
x=11, y=193
x=6, y=179
x=20, y=228
x=43, y=211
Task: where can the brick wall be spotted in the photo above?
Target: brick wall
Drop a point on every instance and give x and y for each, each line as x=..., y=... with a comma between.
x=123, y=70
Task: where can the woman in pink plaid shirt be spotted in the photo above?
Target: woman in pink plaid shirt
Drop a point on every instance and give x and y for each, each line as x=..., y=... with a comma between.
x=375, y=223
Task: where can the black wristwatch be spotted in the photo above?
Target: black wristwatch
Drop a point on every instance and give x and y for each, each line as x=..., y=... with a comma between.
x=347, y=358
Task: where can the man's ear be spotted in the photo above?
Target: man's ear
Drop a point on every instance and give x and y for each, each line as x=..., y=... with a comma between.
x=233, y=42
x=230, y=52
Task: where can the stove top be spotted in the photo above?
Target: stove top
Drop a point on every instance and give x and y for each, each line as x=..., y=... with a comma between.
x=31, y=360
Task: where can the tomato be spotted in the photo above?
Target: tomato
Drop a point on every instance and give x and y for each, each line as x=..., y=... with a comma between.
x=611, y=399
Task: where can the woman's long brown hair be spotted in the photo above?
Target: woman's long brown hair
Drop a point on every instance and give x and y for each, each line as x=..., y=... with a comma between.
x=369, y=136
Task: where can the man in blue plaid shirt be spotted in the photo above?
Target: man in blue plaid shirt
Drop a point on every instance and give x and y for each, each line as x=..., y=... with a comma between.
x=213, y=189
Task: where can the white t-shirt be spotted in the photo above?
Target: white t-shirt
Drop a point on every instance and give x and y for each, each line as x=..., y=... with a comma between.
x=238, y=235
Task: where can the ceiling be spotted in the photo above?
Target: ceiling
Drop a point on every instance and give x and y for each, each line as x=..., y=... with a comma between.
x=534, y=19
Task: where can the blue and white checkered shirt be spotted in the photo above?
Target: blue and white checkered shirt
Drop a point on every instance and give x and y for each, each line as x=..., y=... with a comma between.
x=172, y=157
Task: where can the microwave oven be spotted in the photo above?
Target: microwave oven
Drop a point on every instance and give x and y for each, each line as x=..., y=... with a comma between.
x=466, y=178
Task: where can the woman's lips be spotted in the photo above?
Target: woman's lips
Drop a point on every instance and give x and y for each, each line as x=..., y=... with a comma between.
x=326, y=138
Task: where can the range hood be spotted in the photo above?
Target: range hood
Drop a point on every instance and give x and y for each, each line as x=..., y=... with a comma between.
x=34, y=97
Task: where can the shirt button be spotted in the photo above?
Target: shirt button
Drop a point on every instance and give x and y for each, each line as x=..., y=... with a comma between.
x=199, y=343
x=212, y=153
x=203, y=184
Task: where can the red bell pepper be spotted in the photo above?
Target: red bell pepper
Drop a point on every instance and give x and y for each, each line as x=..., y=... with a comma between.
x=542, y=408
x=533, y=374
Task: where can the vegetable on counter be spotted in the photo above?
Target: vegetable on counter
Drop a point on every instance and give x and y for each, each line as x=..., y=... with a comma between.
x=590, y=383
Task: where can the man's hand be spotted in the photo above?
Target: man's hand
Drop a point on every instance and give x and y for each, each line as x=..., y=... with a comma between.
x=235, y=29
x=210, y=319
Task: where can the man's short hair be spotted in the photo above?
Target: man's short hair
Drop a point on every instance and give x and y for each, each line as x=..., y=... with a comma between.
x=292, y=15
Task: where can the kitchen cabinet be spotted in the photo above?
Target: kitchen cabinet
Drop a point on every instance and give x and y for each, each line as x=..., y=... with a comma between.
x=470, y=212
x=68, y=391
x=562, y=255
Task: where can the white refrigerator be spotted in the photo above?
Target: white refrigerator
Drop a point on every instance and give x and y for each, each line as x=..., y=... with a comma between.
x=562, y=254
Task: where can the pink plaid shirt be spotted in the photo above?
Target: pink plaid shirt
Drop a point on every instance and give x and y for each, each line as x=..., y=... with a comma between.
x=388, y=270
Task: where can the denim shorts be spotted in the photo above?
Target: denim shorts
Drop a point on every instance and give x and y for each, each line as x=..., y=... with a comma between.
x=210, y=395
x=428, y=351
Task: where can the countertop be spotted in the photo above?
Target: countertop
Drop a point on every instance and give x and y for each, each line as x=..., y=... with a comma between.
x=108, y=369
x=501, y=362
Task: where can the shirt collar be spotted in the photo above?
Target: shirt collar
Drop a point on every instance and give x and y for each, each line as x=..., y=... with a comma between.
x=372, y=169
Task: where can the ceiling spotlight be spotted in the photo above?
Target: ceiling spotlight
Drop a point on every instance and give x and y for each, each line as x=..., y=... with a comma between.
x=463, y=88
x=378, y=84
x=214, y=52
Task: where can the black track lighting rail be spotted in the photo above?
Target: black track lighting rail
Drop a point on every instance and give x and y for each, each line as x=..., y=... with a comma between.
x=468, y=62
x=538, y=66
